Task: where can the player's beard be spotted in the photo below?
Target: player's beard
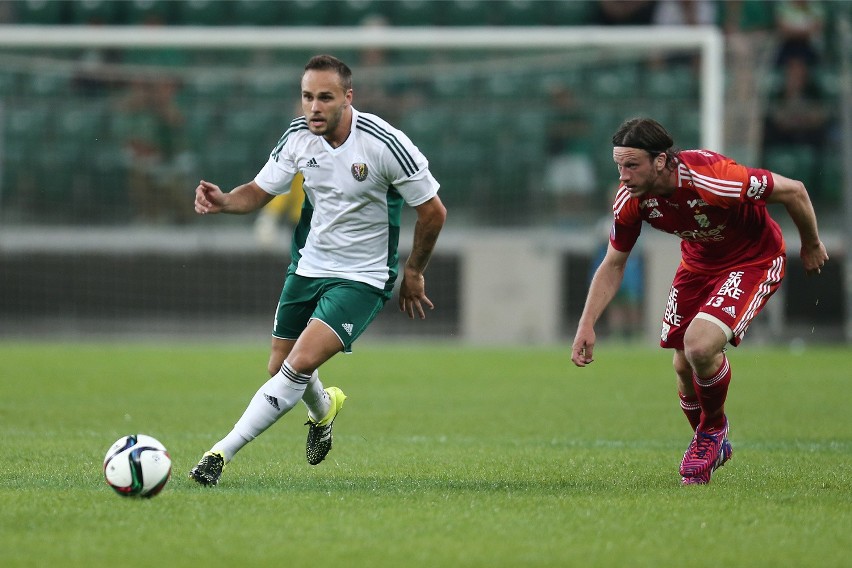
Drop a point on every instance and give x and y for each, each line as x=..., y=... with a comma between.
x=331, y=123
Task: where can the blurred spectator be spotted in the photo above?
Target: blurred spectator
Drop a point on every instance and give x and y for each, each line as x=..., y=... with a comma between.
x=624, y=12
x=797, y=118
x=569, y=176
x=685, y=13
x=799, y=26
x=372, y=61
x=151, y=126
x=797, y=111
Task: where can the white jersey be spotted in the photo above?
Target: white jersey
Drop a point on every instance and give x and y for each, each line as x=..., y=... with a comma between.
x=354, y=195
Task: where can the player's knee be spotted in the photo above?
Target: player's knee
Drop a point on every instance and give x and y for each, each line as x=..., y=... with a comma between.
x=301, y=363
x=700, y=353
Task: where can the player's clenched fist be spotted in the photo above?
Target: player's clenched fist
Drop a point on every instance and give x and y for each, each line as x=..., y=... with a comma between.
x=208, y=198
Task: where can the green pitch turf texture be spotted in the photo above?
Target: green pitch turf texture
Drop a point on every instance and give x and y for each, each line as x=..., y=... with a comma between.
x=443, y=457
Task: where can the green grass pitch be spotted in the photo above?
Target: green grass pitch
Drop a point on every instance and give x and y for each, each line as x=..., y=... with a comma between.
x=444, y=457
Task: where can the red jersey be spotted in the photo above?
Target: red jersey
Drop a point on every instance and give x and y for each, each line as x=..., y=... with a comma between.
x=718, y=209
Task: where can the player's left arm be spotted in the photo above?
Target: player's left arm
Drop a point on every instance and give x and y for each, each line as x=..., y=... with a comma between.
x=431, y=216
x=793, y=195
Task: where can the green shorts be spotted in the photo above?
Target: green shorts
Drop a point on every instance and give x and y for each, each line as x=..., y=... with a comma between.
x=346, y=306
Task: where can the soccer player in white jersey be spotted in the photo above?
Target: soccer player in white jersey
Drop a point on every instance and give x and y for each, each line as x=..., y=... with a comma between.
x=358, y=172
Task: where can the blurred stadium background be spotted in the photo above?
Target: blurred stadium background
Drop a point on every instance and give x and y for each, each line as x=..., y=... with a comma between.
x=104, y=136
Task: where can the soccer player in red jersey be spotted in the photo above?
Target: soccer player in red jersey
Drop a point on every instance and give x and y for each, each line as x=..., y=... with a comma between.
x=732, y=261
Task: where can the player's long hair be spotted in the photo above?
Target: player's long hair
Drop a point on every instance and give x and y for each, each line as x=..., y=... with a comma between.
x=331, y=63
x=649, y=135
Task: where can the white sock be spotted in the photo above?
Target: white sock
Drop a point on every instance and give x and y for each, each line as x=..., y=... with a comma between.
x=316, y=399
x=272, y=401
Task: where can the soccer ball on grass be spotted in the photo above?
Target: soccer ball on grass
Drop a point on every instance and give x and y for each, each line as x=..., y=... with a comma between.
x=137, y=466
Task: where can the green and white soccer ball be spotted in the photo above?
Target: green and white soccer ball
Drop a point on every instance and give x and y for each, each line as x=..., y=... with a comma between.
x=137, y=466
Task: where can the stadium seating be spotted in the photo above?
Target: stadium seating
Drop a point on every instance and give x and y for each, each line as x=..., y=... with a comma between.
x=204, y=12
x=573, y=13
x=95, y=12
x=522, y=13
x=414, y=13
x=150, y=12
x=8, y=83
x=671, y=81
x=357, y=12
x=794, y=160
x=303, y=12
x=40, y=12
x=468, y=13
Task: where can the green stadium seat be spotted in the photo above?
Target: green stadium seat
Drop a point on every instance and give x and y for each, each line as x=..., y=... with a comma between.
x=415, y=12
x=505, y=85
x=359, y=12
x=48, y=84
x=45, y=12
x=829, y=80
x=794, y=161
x=258, y=13
x=150, y=12
x=201, y=124
x=671, y=81
x=308, y=12
x=272, y=86
x=570, y=13
x=205, y=12
x=80, y=123
x=159, y=57
x=685, y=125
x=468, y=13
x=831, y=174
x=27, y=126
x=95, y=12
x=208, y=86
x=251, y=123
x=426, y=128
x=614, y=81
x=570, y=78
x=8, y=83
x=447, y=84
x=522, y=12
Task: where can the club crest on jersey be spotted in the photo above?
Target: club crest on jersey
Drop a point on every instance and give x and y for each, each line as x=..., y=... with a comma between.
x=359, y=171
x=703, y=221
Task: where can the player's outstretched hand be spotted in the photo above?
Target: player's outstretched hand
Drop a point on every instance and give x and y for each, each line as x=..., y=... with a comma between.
x=208, y=198
x=412, y=294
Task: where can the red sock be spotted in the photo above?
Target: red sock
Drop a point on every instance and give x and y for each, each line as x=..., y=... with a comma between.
x=712, y=393
x=691, y=409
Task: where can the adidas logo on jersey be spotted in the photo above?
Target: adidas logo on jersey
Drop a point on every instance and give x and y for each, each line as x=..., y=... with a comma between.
x=730, y=311
x=312, y=163
x=654, y=214
x=348, y=327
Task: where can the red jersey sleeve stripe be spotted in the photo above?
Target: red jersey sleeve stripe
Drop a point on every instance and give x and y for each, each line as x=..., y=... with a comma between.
x=724, y=188
x=621, y=199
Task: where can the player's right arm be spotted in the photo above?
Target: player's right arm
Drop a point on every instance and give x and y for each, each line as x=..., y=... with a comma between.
x=604, y=286
x=242, y=199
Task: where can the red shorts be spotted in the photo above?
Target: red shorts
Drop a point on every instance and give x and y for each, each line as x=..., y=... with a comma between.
x=733, y=297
